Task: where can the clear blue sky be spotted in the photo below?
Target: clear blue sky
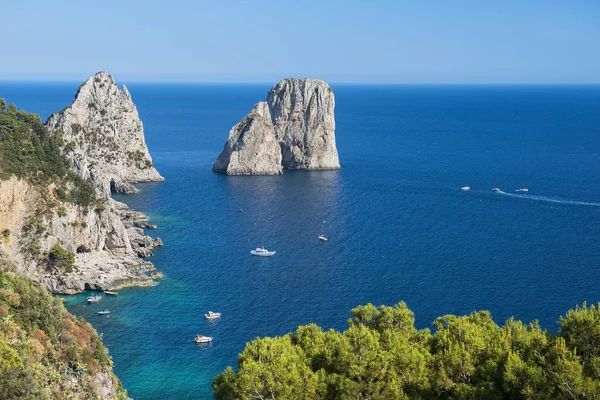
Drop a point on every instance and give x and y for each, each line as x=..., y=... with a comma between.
x=452, y=41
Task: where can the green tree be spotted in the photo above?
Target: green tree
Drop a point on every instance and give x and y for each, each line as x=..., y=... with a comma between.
x=61, y=259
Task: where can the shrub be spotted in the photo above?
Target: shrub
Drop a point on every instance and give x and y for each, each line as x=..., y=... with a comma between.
x=61, y=259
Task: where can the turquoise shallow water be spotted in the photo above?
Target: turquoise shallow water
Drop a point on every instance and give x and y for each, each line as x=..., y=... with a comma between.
x=400, y=228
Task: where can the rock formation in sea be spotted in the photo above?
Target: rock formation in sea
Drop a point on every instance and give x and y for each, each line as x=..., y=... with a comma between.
x=294, y=129
x=103, y=138
x=252, y=148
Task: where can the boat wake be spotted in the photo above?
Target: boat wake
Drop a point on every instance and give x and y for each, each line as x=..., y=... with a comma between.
x=549, y=199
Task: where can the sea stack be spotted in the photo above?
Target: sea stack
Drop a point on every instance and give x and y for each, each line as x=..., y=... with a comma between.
x=104, y=136
x=294, y=129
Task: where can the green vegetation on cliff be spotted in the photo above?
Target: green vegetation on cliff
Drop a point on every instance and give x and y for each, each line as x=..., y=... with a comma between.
x=28, y=151
x=383, y=356
x=47, y=353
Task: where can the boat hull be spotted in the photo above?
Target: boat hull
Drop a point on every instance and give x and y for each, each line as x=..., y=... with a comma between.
x=261, y=254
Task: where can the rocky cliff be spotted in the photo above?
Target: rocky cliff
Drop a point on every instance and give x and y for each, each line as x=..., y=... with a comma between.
x=104, y=136
x=252, y=148
x=294, y=128
x=69, y=242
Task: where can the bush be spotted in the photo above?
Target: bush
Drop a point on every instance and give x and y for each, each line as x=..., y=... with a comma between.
x=46, y=353
x=61, y=259
x=29, y=151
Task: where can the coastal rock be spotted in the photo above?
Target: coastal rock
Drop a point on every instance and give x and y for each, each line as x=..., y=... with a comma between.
x=105, y=255
x=104, y=139
x=302, y=113
x=252, y=147
x=294, y=128
x=104, y=136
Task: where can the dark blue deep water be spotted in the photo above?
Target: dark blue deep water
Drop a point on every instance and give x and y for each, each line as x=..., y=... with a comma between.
x=400, y=228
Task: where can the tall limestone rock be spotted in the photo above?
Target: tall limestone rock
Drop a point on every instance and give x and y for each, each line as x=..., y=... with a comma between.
x=298, y=116
x=104, y=139
x=104, y=136
x=252, y=148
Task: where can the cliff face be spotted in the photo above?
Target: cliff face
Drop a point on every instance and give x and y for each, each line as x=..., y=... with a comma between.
x=302, y=112
x=252, y=148
x=34, y=221
x=104, y=136
x=298, y=115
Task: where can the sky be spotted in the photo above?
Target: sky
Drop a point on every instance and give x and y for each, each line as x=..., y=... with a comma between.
x=349, y=41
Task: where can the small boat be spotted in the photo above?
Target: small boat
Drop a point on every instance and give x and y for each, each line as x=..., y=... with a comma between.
x=496, y=190
x=111, y=293
x=262, y=252
x=105, y=312
x=323, y=238
x=212, y=315
x=465, y=188
x=94, y=299
x=523, y=190
x=202, y=339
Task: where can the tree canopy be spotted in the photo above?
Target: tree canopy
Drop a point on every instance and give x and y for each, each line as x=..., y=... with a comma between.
x=383, y=356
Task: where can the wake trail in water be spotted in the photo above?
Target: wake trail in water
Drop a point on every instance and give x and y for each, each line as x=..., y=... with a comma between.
x=550, y=199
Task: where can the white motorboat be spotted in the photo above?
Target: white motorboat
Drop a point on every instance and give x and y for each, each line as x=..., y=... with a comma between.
x=202, y=339
x=105, y=312
x=323, y=238
x=262, y=252
x=523, y=190
x=111, y=293
x=496, y=190
x=212, y=315
x=466, y=188
x=94, y=299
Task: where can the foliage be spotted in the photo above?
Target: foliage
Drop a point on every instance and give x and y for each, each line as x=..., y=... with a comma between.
x=29, y=151
x=61, y=259
x=383, y=356
x=45, y=352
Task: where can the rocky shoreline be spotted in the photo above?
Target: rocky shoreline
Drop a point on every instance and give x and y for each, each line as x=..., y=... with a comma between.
x=101, y=245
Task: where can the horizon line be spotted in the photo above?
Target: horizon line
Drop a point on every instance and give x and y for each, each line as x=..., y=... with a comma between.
x=333, y=82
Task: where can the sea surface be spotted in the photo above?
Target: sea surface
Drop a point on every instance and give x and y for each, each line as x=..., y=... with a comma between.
x=399, y=225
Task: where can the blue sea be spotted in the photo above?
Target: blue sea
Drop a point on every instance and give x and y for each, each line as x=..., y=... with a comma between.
x=399, y=225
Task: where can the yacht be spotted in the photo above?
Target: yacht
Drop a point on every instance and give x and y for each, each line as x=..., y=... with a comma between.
x=466, y=188
x=111, y=293
x=323, y=238
x=105, y=312
x=523, y=190
x=212, y=315
x=94, y=299
x=496, y=190
x=262, y=252
x=202, y=339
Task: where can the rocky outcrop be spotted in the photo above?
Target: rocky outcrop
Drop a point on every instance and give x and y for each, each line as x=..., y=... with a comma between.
x=104, y=136
x=252, y=147
x=104, y=139
x=294, y=128
x=106, y=257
